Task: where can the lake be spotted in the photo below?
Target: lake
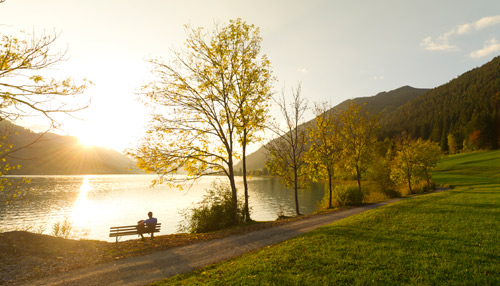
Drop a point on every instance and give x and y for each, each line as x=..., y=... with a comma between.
x=93, y=203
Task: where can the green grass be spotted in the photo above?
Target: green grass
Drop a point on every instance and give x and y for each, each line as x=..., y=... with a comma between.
x=471, y=169
x=450, y=237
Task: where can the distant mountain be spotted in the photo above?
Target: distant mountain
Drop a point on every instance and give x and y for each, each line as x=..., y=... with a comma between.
x=466, y=108
x=62, y=155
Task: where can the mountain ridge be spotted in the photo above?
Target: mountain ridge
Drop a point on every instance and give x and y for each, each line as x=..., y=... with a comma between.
x=61, y=155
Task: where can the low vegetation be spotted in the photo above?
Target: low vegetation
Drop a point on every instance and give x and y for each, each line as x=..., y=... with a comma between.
x=447, y=237
x=213, y=212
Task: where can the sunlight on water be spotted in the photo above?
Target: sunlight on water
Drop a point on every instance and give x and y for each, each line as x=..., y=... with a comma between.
x=82, y=207
x=85, y=211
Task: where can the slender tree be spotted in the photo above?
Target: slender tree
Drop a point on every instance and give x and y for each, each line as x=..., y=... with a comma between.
x=326, y=147
x=358, y=134
x=199, y=105
x=253, y=83
x=428, y=154
x=405, y=162
x=287, y=151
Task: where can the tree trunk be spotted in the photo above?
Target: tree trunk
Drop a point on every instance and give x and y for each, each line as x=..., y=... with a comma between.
x=409, y=182
x=428, y=179
x=233, y=191
x=330, y=188
x=409, y=173
x=296, y=187
x=358, y=176
x=245, y=184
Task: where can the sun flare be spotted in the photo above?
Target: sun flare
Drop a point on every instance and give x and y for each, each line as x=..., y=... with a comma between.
x=86, y=141
x=82, y=207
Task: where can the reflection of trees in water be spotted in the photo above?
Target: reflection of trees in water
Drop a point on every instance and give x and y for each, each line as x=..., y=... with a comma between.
x=274, y=196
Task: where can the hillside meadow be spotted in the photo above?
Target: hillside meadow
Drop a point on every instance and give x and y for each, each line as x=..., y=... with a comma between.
x=448, y=237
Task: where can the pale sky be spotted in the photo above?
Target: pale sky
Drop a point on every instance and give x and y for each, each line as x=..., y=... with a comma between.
x=337, y=49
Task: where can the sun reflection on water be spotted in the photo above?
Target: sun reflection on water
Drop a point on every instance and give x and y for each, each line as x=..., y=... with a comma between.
x=82, y=208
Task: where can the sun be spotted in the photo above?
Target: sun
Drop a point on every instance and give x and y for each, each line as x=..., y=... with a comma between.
x=105, y=137
x=87, y=141
x=93, y=138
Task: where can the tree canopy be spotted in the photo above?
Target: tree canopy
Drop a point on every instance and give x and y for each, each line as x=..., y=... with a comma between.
x=201, y=102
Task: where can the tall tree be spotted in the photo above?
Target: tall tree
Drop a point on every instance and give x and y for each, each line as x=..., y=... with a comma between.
x=358, y=132
x=287, y=151
x=199, y=103
x=253, y=83
x=326, y=148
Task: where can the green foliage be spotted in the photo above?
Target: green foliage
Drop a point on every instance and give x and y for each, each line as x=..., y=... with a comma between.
x=214, y=212
x=452, y=144
x=379, y=172
x=347, y=195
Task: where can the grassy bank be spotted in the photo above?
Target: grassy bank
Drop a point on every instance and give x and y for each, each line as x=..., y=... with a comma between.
x=449, y=237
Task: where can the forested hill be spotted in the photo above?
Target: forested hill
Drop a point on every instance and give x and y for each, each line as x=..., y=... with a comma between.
x=384, y=103
x=464, y=110
x=62, y=155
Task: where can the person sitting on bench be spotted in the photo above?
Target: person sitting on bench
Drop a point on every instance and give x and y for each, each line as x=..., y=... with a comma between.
x=148, y=225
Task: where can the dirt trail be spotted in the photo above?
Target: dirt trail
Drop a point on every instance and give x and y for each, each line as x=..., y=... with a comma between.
x=146, y=269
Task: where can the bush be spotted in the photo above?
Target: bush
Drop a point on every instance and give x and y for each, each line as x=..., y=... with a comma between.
x=421, y=187
x=214, y=212
x=62, y=229
x=344, y=195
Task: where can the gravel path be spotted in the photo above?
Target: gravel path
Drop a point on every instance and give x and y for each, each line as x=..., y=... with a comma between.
x=146, y=269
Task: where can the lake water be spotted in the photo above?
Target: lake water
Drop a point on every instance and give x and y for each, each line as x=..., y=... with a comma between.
x=94, y=203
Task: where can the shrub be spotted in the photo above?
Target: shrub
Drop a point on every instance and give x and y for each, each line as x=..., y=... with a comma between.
x=380, y=174
x=422, y=187
x=345, y=195
x=62, y=229
x=324, y=203
x=214, y=212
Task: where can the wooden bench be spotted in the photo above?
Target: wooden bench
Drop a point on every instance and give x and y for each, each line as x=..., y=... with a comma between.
x=119, y=231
